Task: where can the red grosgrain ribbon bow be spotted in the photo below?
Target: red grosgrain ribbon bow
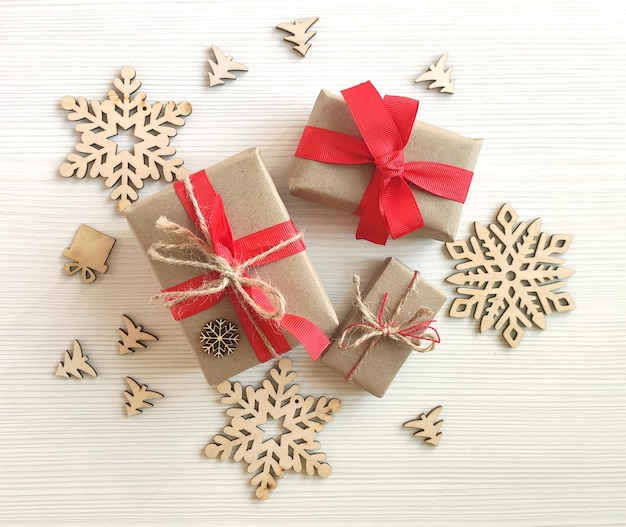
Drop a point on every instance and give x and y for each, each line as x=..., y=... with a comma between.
x=224, y=262
x=388, y=207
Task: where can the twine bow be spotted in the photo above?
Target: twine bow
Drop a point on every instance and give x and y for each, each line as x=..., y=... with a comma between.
x=373, y=328
x=201, y=255
x=222, y=264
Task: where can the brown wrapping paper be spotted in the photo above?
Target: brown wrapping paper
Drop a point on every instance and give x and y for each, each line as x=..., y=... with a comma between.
x=382, y=364
x=342, y=186
x=251, y=203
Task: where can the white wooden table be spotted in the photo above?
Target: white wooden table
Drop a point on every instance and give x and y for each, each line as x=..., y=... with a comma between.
x=532, y=437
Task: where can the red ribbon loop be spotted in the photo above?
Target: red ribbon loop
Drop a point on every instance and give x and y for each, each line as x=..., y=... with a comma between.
x=388, y=207
x=265, y=335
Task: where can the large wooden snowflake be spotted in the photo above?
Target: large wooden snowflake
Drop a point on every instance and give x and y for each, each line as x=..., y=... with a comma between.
x=245, y=439
x=151, y=125
x=511, y=274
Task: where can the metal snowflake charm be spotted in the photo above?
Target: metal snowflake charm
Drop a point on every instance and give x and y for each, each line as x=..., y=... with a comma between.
x=511, y=274
x=268, y=457
x=219, y=337
x=151, y=125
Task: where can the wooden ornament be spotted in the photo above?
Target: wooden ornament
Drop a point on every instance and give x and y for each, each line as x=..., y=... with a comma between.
x=511, y=275
x=99, y=155
x=74, y=363
x=219, y=337
x=138, y=397
x=299, y=35
x=245, y=439
x=440, y=76
x=427, y=426
x=222, y=66
x=89, y=250
x=133, y=337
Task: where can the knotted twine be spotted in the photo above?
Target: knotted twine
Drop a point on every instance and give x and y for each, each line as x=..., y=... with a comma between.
x=373, y=328
x=198, y=253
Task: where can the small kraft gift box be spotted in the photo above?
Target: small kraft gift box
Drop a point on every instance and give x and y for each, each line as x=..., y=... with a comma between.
x=233, y=267
x=369, y=156
x=391, y=319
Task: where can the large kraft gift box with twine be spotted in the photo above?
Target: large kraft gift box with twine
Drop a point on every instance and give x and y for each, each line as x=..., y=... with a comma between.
x=364, y=154
x=390, y=320
x=244, y=264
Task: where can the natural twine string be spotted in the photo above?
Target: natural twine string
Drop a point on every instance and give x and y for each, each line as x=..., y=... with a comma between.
x=197, y=253
x=373, y=328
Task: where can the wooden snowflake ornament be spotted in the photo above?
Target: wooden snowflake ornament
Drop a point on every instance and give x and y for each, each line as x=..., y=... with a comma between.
x=138, y=397
x=152, y=125
x=221, y=67
x=511, y=275
x=89, y=252
x=299, y=35
x=440, y=76
x=74, y=363
x=268, y=457
x=427, y=426
x=133, y=338
x=219, y=337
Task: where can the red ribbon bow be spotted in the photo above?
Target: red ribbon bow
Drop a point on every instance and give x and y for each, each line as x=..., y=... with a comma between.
x=388, y=207
x=265, y=335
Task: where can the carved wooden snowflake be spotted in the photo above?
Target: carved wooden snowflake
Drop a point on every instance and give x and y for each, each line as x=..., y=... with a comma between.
x=219, y=337
x=244, y=439
x=99, y=155
x=512, y=275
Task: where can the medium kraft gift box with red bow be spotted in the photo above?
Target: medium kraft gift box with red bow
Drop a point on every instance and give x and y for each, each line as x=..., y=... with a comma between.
x=375, y=369
x=447, y=156
x=251, y=204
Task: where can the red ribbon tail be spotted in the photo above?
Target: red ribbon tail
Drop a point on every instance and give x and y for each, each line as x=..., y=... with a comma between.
x=309, y=335
x=402, y=213
x=372, y=225
x=260, y=332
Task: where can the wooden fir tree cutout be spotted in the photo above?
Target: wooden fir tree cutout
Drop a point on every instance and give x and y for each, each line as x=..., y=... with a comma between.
x=268, y=457
x=133, y=338
x=427, y=426
x=89, y=251
x=299, y=35
x=440, y=76
x=152, y=126
x=138, y=397
x=74, y=363
x=221, y=67
x=219, y=337
x=510, y=275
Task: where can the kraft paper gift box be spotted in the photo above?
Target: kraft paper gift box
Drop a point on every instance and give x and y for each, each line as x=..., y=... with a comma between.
x=376, y=370
x=251, y=203
x=342, y=186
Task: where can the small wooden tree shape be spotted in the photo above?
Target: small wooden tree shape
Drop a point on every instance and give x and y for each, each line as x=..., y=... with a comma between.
x=89, y=252
x=133, y=337
x=74, y=363
x=299, y=35
x=427, y=427
x=138, y=397
x=438, y=74
x=221, y=67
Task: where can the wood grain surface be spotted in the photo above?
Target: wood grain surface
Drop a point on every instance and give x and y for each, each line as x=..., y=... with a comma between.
x=534, y=436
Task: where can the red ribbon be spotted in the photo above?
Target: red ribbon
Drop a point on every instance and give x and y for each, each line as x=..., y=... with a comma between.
x=388, y=207
x=237, y=251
